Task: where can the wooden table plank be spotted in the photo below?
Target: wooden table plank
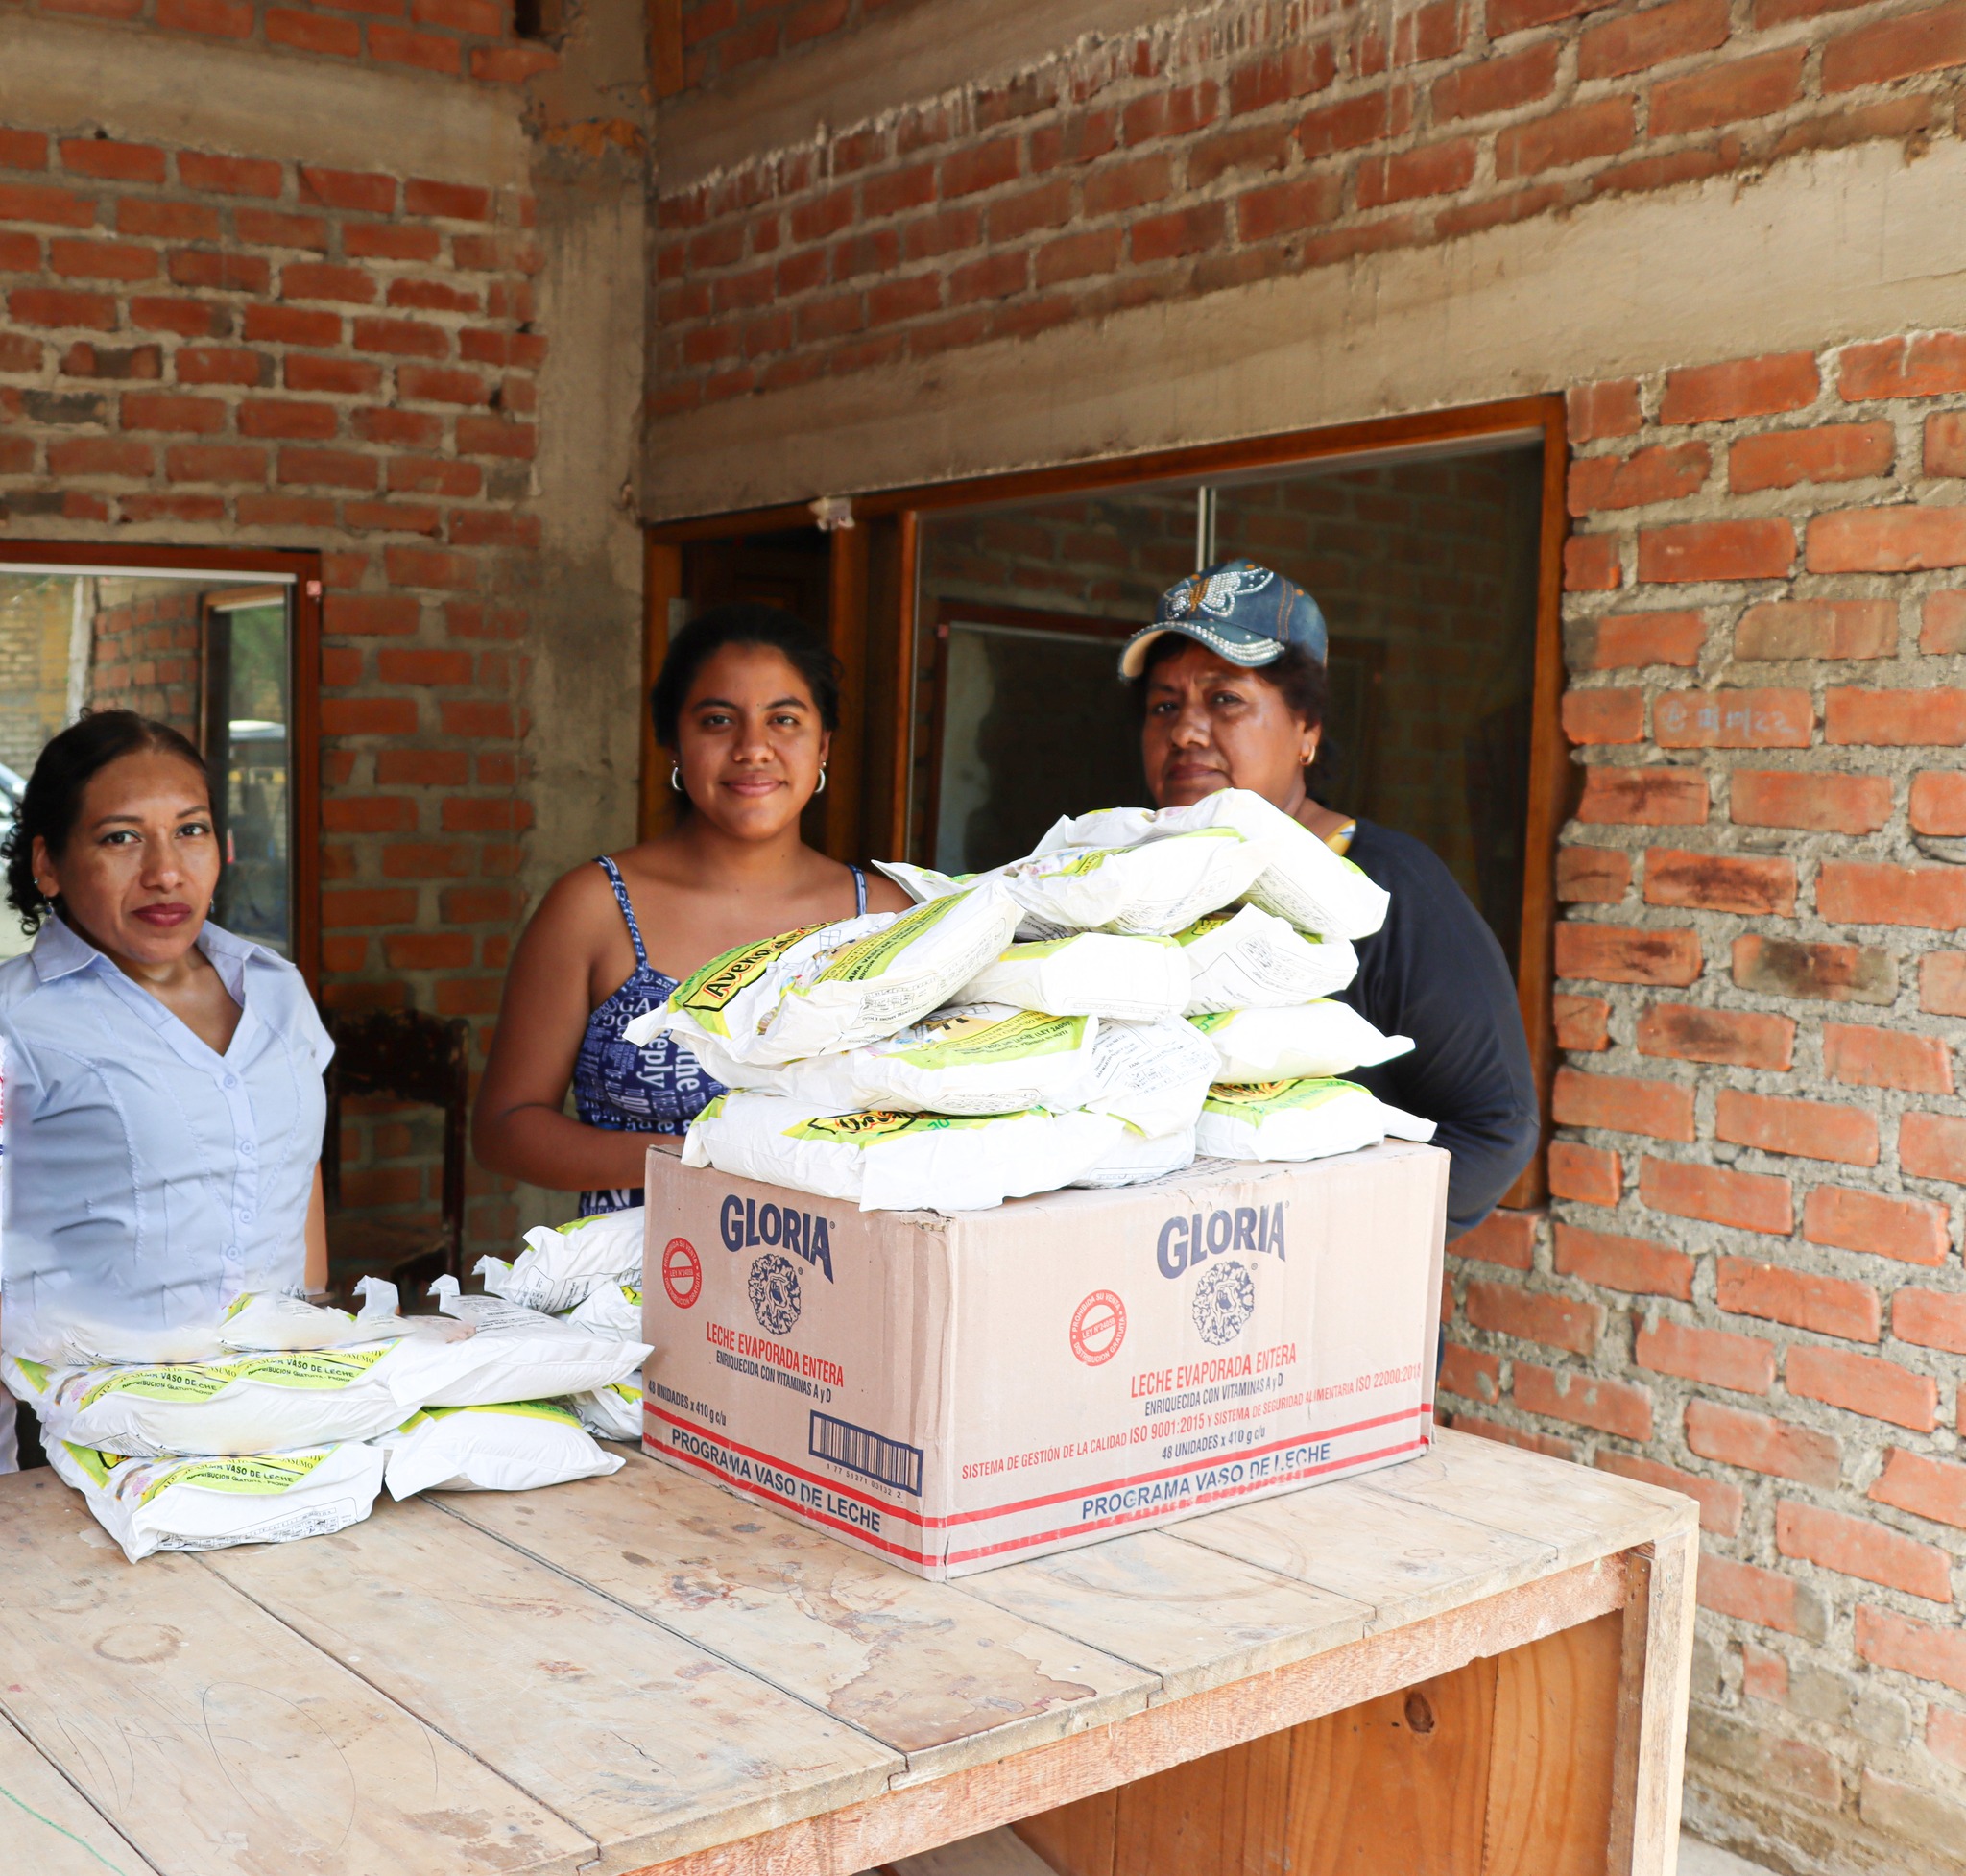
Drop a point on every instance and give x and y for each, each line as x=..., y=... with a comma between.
x=928, y=1671
x=1401, y=1558
x=641, y=1740
x=1195, y=1617
x=1582, y=1512
x=218, y=1741
x=47, y=1827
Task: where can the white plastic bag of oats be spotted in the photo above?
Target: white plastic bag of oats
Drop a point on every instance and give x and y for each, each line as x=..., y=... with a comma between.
x=1306, y=1119
x=1313, y=1040
x=1252, y=959
x=510, y=1446
x=1131, y=978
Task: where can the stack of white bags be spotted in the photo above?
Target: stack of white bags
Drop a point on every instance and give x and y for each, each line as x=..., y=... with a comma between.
x=1086, y=1016
x=284, y=1420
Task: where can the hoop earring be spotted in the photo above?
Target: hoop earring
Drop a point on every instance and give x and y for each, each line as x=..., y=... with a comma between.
x=675, y=778
x=820, y=789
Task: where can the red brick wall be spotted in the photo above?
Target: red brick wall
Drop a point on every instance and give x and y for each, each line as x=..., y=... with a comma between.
x=1260, y=141
x=456, y=38
x=234, y=350
x=144, y=657
x=721, y=37
x=1751, y=1286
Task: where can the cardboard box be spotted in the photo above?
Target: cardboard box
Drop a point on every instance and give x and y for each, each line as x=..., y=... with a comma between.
x=954, y=1393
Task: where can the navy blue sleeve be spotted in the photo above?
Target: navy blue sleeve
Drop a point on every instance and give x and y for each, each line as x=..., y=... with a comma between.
x=1435, y=972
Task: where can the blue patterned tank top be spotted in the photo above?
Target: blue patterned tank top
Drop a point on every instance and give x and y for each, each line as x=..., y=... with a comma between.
x=657, y=1089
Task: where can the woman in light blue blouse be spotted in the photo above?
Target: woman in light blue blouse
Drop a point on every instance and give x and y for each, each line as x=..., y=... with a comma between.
x=163, y=1095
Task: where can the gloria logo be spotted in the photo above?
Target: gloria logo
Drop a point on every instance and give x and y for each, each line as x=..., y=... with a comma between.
x=1185, y=1243
x=774, y=1287
x=1224, y=1300
x=745, y=1224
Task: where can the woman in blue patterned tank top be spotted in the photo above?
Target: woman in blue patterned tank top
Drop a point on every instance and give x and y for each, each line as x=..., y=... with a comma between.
x=745, y=708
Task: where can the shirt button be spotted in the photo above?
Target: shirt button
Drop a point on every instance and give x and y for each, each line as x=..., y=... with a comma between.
x=245, y=1215
x=247, y=1149
x=232, y=1081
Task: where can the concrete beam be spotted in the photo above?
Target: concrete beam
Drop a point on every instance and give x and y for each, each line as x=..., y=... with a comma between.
x=1834, y=246
x=62, y=75
x=903, y=56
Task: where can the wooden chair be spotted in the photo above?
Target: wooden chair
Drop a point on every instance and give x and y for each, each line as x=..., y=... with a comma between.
x=403, y=1055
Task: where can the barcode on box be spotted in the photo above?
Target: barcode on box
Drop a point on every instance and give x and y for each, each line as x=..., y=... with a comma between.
x=872, y=1457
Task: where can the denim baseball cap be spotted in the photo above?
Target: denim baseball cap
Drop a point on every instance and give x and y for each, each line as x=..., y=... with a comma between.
x=1240, y=611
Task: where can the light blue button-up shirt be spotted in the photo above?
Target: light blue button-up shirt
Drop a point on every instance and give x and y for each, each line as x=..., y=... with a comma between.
x=150, y=1180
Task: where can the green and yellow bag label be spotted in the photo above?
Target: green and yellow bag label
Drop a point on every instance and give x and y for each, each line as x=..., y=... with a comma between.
x=877, y=1124
x=710, y=986
x=966, y=1039
x=263, y=1475
x=869, y=956
x=1254, y=1100
x=519, y=1409
x=187, y=1382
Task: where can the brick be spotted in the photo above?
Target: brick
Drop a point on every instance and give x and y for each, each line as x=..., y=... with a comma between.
x=1663, y=1110
x=1663, y=472
x=1638, y=1266
x=168, y=410
x=1720, y=1503
x=450, y=202
x=1929, y=1318
x=270, y=228
x=223, y=273
x=1850, y=891
x=99, y=456
x=1939, y=803
x=1689, y=1032
x=1727, y=92
x=1647, y=798
x=1619, y=954
x=1734, y=719
x=111, y=160
x=1471, y=1374
x=1815, y=1130
x=1945, y=1734
x=292, y=325
x=1895, y=717
x=127, y=364
x=370, y=814
x=1856, y=1547
x=430, y=566
x=1604, y=716
x=1748, y=1593
x=1592, y=875
x=424, y=50
x=230, y=175
x=1744, y=1364
x=1910, y=1230
x=1831, y=1306
x=1865, y=1384
x=1503, y=1238
x=193, y=319
x=1587, y=1174
x=1346, y=125
x=23, y=150
x=320, y=279
x=1627, y=638
x=1565, y=137
x=1781, y=459
x=1886, y=1058
x=431, y=768
x=1836, y=974
x=439, y=384
x=390, y=241
x=1606, y=409
x=1498, y=82
x=1590, y=563
x=1907, y=540
x=1817, y=628
x=1763, y=1674
x=1912, y=1647
x=407, y=338
x=1639, y=40
x=1927, y=1488
x=1932, y=1146
x=343, y=908
x=1581, y=1023
x=63, y=306
x=979, y=166
x=1746, y=387
x=1281, y=209
x=1745, y=1201
x=214, y=462
x=1555, y=1321
x=365, y=191
x=346, y=377
x=1756, y=1442
x=1945, y=443
x=1931, y=40
x=512, y=64
x=1720, y=882
x=218, y=365
x=1942, y=983
x=50, y=206
x=1611, y=1406
x=1432, y=169
x=1822, y=803
x=309, y=32
x=286, y=418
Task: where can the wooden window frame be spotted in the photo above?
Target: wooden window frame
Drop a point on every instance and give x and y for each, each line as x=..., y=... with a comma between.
x=874, y=608
x=301, y=569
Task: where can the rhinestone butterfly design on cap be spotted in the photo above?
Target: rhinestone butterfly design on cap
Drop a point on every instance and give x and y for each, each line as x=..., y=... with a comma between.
x=1216, y=594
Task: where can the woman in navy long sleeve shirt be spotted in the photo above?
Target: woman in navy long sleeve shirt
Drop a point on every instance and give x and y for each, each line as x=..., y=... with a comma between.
x=1231, y=682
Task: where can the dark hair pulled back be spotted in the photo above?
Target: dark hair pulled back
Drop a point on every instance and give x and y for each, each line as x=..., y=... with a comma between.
x=52, y=806
x=746, y=622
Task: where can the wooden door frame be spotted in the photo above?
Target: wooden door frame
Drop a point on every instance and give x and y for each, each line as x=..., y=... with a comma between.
x=1395, y=438
x=303, y=566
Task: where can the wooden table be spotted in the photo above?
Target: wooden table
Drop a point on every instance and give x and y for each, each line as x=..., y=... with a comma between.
x=1474, y=1664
